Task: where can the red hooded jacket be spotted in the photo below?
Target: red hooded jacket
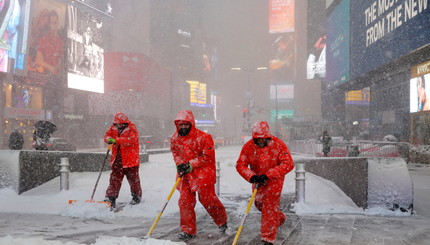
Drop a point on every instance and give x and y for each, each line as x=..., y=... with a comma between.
x=274, y=160
x=128, y=140
x=197, y=148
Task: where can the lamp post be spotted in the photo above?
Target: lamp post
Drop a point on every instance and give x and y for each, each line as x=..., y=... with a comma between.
x=249, y=99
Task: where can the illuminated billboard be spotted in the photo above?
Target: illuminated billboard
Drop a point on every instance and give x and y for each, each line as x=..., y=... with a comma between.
x=358, y=97
x=197, y=93
x=85, y=60
x=420, y=88
x=46, y=41
x=337, y=50
x=281, y=16
x=383, y=31
x=281, y=114
x=281, y=62
x=13, y=30
x=316, y=62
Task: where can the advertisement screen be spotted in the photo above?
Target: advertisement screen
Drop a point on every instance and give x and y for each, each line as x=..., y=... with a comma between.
x=281, y=62
x=281, y=16
x=281, y=92
x=46, y=40
x=85, y=53
x=316, y=61
x=197, y=93
x=383, y=31
x=358, y=97
x=337, y=50
x=14, y=18
x=419, y=91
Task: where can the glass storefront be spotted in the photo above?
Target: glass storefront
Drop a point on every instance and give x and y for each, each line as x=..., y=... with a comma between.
x=23, y=107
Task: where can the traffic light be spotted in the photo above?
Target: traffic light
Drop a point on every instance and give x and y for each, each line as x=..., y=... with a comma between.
x=245, y=113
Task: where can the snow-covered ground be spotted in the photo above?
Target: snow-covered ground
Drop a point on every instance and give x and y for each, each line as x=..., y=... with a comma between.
x=158, y=177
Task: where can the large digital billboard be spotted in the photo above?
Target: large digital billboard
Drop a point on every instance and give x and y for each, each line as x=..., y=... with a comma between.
x=46, y=41
x=420, y=88
x=85, y=60
x=316, y=62
x=281, y=16
x=386, y=30
x=337, y=49
x=14, y=18
x=281, y=62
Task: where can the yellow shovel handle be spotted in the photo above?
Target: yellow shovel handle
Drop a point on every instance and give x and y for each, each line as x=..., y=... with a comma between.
x=236, y=238
x=165, y=205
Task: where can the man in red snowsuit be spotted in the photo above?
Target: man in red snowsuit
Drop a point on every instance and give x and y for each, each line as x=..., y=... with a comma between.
x=125, y=158
x=264, y=161
x=194, y=155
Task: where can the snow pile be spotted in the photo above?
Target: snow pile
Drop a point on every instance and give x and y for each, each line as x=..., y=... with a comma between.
x=88, y=210
x=104, y=240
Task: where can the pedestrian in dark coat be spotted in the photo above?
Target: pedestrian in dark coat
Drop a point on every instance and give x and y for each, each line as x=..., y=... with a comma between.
x=327, y=143
x=16, y=140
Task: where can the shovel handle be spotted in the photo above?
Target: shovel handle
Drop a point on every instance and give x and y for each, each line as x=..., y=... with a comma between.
x=164, y=207
x=101, y=170
x=239, y=230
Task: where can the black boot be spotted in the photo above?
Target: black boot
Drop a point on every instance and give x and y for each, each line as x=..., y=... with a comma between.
x=185, y=236
x=112, y=201
x=222, y=229
x=135, y=199
x=266, y=243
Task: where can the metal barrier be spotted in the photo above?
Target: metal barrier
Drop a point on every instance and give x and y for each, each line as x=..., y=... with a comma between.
x=300, y=182
x=347, y=149
x=64, y=173
x=218, y=176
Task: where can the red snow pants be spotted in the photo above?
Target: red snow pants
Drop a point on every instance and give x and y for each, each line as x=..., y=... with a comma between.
x=209, y=200
x=116, y=177
x=268, y=203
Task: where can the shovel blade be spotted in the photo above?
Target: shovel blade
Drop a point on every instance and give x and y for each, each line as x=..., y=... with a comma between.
x=90, y=201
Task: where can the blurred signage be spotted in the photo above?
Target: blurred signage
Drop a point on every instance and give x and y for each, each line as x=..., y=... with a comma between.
x=421, y=69
x=281, y=92
x=380, y=26
x=14, y=18
x=74, y=116
x=197, y=92
x=358, y=97
x=24, y=113
x=281, y=16
x=281, y=114
x=207, y=123
x=337, y=50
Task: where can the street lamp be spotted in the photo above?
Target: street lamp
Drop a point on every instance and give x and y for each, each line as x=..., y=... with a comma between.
x=249, y=101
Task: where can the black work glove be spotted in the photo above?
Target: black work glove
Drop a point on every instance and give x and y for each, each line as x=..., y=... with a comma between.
x=184, y=168
x=254, y=179
x=262, y=179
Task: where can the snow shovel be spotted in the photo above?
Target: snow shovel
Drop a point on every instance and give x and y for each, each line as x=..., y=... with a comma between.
x=97, y=182
x=239, y=230
x=165, y=205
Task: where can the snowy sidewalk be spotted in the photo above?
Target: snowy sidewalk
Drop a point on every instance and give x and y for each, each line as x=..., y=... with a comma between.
x=40, y=213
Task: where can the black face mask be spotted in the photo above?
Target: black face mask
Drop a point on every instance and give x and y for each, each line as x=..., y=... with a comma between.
x=184, y=131
x=265, y=142
x=124, y=125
